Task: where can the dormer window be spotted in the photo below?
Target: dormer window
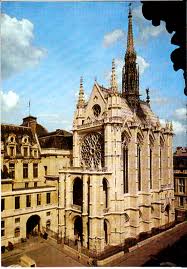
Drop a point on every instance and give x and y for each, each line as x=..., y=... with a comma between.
x=11, y=151
x=25, y=152
x=11, y=139
x=25, y=146
x=11, y=146
x=35, y=153
x=25, y=140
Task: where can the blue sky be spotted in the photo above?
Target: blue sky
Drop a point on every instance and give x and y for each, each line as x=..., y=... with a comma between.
x=47, y=46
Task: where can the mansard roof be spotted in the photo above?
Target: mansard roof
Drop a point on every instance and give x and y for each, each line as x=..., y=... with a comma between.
x=58, y=132
x=29, y=120
x=19, y=131
x=180, y=158
x=59, y=139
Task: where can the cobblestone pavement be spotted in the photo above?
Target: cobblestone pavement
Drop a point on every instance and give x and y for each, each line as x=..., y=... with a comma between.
x=142, y=254
x=46, y=253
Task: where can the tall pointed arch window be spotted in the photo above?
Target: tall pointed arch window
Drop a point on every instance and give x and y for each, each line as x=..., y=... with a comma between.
x=105, y=190
x=125, y=141
x=161, y=157
x=139, y=143
x=151, y=144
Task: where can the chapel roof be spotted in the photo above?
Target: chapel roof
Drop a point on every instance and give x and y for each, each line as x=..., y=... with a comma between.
x=143, y=114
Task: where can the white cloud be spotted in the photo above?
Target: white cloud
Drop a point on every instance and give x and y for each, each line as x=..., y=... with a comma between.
x=17, y=50
x=152, y=31
x=113, y=37
x=142, y=64
x=146, y=29
x=163, y=122
x=178, y=127
x=161, y=100
x=180, y=113
x=53, y=118
x=119, y=63
x=9, y=100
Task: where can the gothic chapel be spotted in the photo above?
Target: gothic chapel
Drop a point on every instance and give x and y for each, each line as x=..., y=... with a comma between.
x=121, y=181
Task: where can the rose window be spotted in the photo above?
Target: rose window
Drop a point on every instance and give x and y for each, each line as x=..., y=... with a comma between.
x=92, y=150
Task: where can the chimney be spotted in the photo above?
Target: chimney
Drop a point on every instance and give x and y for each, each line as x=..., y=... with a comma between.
x=30, y=121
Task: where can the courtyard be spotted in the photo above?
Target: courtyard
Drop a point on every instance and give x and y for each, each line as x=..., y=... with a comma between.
x=47, y=253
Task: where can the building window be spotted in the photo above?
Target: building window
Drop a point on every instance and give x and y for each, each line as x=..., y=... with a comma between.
x=181, y=185
x=48, y=224
x=45, y=169
x=11, y=151
x=28, y=200
x=160, y=163
x=35, y=170
x=181, y=201
x=150, y=168
x=35, y=184
x=175, y=185
x=25, y=170
x=105, y=190
x=39, y=199
x=26, y=185
x=25, y=152
x=2, y=228
x=35, y=153
x=12, y=170
x=125, y=169
x=17, y=220
x=2, y=204
x=17, y=202
x=161, y=157
x=48, y=213
x=17, y=232
x=139, y=166
x=48, y=197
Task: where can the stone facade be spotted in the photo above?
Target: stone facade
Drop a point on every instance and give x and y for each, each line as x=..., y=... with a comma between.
x=111, y=180
x=27, y=202
x=122, y=164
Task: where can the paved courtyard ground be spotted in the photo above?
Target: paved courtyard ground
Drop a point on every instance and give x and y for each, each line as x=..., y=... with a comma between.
x=48, y=253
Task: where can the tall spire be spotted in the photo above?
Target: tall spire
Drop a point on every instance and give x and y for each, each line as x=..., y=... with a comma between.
x=81, y=100
x=130, y=42
x=130, y=74
x=114, y=86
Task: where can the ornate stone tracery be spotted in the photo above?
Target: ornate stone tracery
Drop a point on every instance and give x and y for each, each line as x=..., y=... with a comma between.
x=92, y=150
x=96, y=110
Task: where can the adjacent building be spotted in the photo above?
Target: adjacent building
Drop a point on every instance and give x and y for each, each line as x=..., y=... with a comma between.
x=180, y=182
x=28, y=203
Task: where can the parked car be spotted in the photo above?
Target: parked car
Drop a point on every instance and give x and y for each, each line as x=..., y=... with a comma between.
x=26, y=261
